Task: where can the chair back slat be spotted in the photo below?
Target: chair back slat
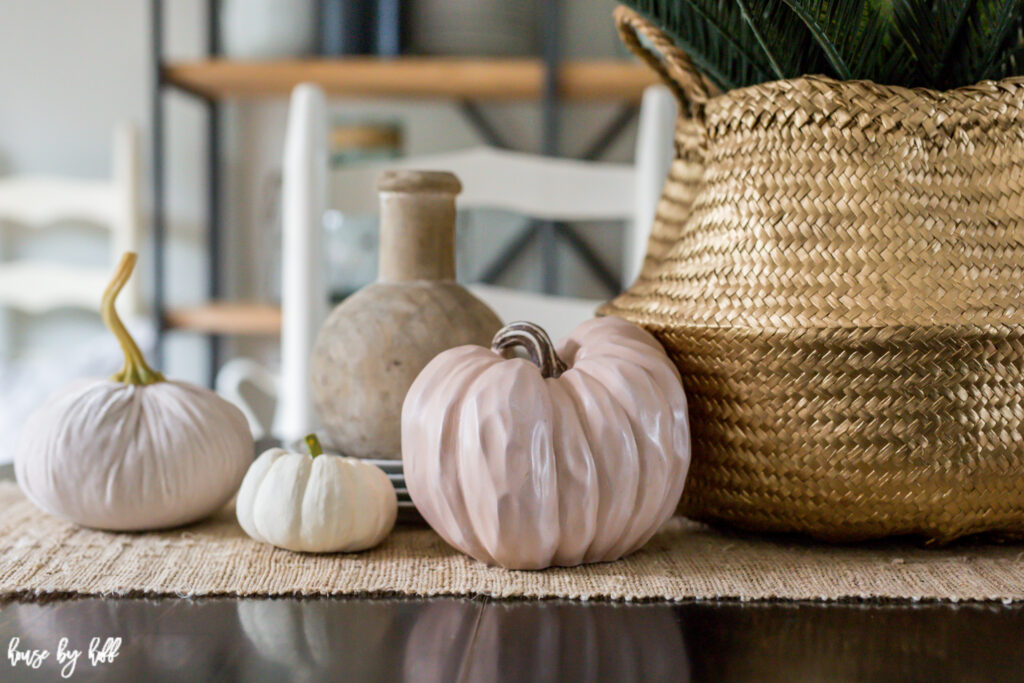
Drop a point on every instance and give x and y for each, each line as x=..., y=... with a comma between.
x=538, y=187
x=37, y=203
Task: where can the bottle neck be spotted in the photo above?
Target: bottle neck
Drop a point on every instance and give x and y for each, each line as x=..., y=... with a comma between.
x=417, y=236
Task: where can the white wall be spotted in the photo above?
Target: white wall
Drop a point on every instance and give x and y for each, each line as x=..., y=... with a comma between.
x=72, y=68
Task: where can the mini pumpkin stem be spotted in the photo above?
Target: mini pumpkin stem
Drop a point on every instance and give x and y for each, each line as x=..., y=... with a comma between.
x=313, y=444
x=537, y=343
x=135, y=369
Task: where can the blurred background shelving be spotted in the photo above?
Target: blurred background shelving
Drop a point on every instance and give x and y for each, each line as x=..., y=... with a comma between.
x=545, y=80
x=414, y=77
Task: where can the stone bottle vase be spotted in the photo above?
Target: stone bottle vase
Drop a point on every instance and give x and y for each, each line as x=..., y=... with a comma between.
x=374, y=344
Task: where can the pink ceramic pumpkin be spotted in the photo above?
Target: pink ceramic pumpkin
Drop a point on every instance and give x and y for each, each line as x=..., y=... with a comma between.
x=569, y=457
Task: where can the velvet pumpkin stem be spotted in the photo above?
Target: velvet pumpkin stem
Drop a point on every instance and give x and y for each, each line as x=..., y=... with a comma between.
x=135, y=369
x=537, y=343
x=313, y=444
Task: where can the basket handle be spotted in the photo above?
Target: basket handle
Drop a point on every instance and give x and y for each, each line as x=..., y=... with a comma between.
x=674, y=66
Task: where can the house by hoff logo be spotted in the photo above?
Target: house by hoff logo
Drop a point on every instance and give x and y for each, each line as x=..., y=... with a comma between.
x=100, y=651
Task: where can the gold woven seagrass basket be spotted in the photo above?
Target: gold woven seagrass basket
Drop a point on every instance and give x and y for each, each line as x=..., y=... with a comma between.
x=837, y=269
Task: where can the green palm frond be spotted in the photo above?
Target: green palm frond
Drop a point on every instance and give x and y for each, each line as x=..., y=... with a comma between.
x=990, y=29
x=931, y=32
x=848, y=33
x=772, y=26
x=934, y=43
x=715, y=37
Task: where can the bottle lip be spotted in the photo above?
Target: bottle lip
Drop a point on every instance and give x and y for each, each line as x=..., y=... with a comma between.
x=419, y=182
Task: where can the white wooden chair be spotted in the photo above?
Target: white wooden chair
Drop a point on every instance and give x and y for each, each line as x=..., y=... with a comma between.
x=36, y=286
x=31, y=286
x=538, y=187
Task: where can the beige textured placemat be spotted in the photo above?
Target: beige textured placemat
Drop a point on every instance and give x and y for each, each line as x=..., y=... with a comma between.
x=41, y=555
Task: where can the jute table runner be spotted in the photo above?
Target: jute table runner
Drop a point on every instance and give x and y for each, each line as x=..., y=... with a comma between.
x=40, y=555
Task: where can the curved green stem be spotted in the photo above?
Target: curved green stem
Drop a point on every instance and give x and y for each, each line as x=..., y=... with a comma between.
x=313, y=444
x=135, y=369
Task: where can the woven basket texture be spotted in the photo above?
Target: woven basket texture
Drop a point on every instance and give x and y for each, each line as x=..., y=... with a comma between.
x=837, y=269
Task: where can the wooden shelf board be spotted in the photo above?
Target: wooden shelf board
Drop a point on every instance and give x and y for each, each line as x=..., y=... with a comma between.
x=414, y=77
x=226, y=318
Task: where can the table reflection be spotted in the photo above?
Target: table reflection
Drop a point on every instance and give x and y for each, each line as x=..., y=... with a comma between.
x=313, y=640
x=545, y=641
x=449, y=639
x=169, y=639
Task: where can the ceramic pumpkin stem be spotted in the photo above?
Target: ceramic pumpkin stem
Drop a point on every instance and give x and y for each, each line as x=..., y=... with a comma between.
x=313, y=444
x=135, y=369
x=537, y=343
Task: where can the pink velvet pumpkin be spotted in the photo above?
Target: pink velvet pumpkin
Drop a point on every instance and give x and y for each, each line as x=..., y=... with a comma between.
x=569, y=457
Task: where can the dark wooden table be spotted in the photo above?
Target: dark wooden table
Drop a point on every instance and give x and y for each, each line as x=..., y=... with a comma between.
x=451, y=639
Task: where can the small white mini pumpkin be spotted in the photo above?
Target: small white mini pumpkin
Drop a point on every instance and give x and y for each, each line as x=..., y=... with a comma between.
x=135, y=451
x=316, y=503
